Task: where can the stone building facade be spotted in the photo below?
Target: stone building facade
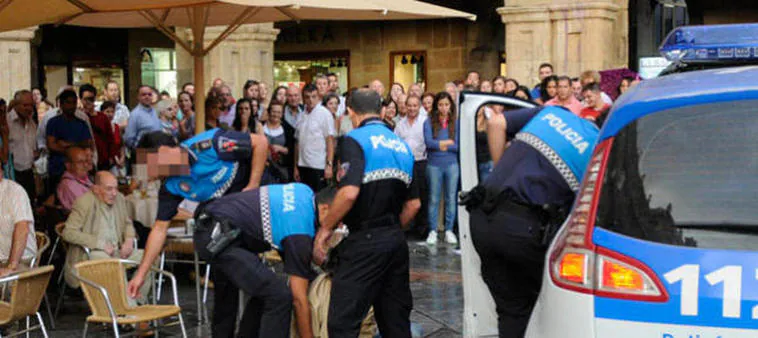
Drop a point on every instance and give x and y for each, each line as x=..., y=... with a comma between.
x=572, y=35
x=248, y=53
x=15, y=61
x=369, y=46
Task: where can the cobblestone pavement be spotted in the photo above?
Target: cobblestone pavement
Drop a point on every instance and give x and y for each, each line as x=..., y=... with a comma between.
x=435, y=283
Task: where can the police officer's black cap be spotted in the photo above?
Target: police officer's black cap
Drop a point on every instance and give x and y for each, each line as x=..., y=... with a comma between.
x=155, y=140
x=365, y=101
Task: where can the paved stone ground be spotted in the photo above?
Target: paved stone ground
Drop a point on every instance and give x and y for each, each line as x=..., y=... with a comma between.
x=435, y=283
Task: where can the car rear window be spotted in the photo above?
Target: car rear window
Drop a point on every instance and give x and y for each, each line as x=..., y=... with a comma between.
x=686, y=176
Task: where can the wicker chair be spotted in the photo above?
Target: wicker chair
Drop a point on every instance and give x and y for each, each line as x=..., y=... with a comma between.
x=104, y=286
x=43, y=242
x=27, y=289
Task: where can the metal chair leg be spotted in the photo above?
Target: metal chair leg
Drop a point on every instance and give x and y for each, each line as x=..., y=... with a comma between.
x=181, y=323
x=160, y=276
x=41, y=324
x=60, y=299
x=86, y=326
x=205, y=292
x=28, y=324
x=52, y=252
x=196, y=264
x=49, y=311
x=115, y=331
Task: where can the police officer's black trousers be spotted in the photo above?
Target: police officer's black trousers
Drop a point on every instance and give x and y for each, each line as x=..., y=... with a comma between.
x=269, y=311
x=512, y=264
x=372, y=270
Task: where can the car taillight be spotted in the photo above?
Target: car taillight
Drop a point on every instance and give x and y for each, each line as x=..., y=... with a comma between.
x=578, y=264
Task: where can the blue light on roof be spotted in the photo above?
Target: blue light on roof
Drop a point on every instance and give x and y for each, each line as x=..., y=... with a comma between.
x=711, y=43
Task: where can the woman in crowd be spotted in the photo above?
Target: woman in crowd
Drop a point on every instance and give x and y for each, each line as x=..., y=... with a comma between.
x=109, y=109
x=244, y=120
x=427, y=100
x=279, y=95
x=441, y=138
x=187, y=123
x=212, y=111
x=395, y=91
x=257, y=113
x=485, y=86
x=252, y=91
x=390, y=113
x=281, y=138
x=332, y=103
x=548, y=89
x=626, y=83
x=498, y=85
x=511, y=85
x=167, y=113
x=522, y=93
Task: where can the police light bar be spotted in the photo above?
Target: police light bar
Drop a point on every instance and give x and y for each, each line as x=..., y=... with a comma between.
x=715, y=43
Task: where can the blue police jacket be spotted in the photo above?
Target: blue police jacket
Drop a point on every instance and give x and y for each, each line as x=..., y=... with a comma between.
x=386, y=155
x=209, y=176
x=287, y=209
x=566, y=141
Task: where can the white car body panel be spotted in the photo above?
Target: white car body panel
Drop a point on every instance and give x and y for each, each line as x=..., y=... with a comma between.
x=479, y=316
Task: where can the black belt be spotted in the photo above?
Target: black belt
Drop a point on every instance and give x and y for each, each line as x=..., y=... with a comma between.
x=378, y=222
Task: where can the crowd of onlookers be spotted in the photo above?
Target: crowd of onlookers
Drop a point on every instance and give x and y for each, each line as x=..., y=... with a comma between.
x=82, y=144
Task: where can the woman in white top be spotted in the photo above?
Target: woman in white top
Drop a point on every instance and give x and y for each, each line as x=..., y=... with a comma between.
x=280, y=139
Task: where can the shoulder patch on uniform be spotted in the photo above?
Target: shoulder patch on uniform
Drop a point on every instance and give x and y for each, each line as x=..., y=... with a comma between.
x=227, y=144
x=185, y=186
x=344, y=168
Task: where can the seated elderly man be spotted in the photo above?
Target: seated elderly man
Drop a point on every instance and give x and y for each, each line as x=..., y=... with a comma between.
x=17, y=243
x=99, y=221
x=75, y=181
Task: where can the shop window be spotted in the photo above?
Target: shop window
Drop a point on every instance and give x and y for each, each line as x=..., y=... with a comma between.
x=96, y=76
x=300, y=69
x=408, y=67
x=159, y=69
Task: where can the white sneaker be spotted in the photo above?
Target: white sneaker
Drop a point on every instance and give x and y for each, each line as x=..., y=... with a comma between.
x=450, y=237
x=432, y=239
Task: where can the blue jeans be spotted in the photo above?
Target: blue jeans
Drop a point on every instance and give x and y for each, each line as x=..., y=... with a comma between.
x=440, y=178
x=485, y=169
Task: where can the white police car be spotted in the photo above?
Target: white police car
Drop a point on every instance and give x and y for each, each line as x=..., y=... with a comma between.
x=663, y=238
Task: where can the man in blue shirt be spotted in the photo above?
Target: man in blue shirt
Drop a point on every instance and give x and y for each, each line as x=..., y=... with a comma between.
x=278, y=217
x=529, y=191
x=143, y=119
x=63, y=131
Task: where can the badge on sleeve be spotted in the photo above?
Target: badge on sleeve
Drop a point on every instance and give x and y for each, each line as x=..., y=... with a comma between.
x=344, y=168
x=185, y=186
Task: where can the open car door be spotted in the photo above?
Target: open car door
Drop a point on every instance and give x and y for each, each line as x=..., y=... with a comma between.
x=479, y=316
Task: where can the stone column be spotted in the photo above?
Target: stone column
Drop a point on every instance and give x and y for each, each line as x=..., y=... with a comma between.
x=15, y=61
x=248, y=53
x=574, y=36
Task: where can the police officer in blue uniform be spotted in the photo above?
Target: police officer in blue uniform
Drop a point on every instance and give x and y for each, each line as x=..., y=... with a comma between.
x=376, y=196
x=515, y=212
x=234, y=229
x=207, y=166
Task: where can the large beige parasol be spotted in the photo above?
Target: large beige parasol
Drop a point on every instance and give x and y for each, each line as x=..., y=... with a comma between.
x=199, y=14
